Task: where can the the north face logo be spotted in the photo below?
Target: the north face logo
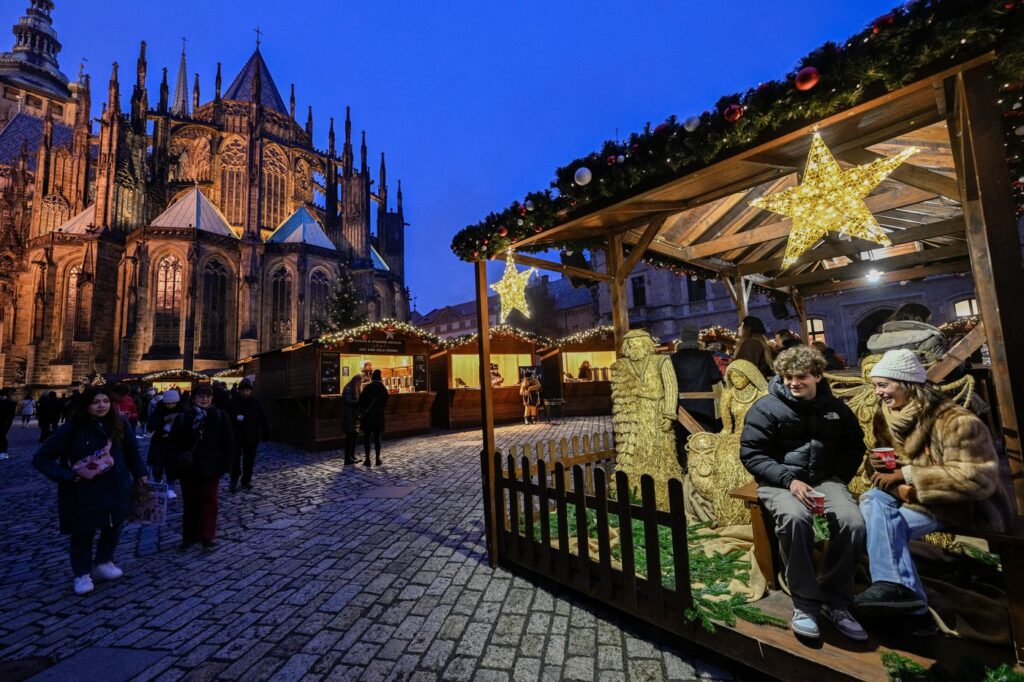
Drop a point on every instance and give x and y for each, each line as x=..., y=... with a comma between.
x=831, y=416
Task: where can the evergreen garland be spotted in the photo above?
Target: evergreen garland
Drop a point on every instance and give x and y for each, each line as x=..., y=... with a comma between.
x=921, y=38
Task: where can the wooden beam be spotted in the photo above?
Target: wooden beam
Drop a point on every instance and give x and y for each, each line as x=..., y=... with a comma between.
x=857, y=270
x=640, y=248
x=909, y=174
x=995, y=250
x=547, y=234
x=939, y=228
x=491, y=511
x=617, y=287
x=569, y=270
x=960, y=353
x=889, y=277
x=687, y=420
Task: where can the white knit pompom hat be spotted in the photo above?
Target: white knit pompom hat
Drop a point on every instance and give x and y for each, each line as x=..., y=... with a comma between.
x=901, y=365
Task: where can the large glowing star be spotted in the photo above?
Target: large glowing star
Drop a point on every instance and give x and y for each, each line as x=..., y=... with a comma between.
x=831, y=200
x=512, y=289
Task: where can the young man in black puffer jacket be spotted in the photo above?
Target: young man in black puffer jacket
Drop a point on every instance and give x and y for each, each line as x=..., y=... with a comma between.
x=800, y=440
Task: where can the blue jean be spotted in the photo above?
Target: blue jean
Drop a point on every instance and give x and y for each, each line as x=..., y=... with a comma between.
x=890, y=528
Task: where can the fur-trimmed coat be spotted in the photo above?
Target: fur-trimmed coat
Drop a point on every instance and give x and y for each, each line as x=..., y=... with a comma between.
x=911, y=335
x=951, y=461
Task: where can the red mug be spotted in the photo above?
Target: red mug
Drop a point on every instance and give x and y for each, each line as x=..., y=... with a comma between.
x=887, y=455
x=817, y=502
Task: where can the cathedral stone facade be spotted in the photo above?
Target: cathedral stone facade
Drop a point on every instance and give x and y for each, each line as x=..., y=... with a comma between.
x=188, y=234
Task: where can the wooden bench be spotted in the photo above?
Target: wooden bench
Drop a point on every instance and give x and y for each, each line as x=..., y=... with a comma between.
x=1008, y=546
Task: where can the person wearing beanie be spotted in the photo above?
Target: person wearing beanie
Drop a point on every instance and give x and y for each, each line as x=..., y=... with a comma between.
x=251, y=427
x=161, y=416
x=908, y=328
x=753, y=345
x=946, y=476
x=800, y=442
x=696, y=372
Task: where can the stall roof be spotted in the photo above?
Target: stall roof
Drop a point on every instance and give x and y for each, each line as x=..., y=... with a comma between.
x=705, y=218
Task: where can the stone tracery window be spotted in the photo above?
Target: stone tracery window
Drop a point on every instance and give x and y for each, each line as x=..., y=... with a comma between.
x=72, y=296
x=55, y=212
x=232, y=181
x=167, y=304
x=319, y=293
x=280, y=307
x=213, y=332
x=275, y=183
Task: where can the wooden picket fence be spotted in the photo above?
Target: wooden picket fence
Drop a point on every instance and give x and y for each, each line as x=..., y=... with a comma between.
x=544, y=482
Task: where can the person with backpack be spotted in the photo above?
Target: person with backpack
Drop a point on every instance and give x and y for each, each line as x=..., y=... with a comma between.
x=251, y=426
x=371, y=414
x=94, y=459
x=202, y=443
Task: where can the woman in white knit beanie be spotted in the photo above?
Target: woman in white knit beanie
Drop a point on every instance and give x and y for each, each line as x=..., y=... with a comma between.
x=947, y=476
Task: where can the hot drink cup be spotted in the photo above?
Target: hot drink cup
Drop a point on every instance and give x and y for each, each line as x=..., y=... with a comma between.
x=817, y=502
x=888, y=457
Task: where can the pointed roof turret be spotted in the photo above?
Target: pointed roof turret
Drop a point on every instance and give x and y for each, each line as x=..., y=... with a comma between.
x=309, y=122
x=291, y=103
x=194, y=210
x=164, y=93
x=195, y=93
x=216, y=84
x=242, y=88
x=32, y=61
x=301, y=228
x=179, y=105
x=363, y=167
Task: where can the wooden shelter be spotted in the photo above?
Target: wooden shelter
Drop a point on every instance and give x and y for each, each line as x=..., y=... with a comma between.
x=580, y=396
x=183, y=379
x=301, y=385
x=947, y=210
x=455, y=376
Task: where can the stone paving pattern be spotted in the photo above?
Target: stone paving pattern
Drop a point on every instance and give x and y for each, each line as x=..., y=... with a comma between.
x=322, y=572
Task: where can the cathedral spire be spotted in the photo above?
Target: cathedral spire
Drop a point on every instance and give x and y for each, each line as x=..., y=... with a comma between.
x=140, y=67
x=309, y=123
x=364, y=168
x=113, y=92
x=346, y=152
x=216, y=84
x=36, y=47
x=140, y=100
x=180, y=105
x=195, y=93
x=162, y=106
x=291, y=102
x=330, y=136
x=399, y=208
x=382, y=190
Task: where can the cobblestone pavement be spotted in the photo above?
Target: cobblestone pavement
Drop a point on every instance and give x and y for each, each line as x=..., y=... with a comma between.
x=322, y=572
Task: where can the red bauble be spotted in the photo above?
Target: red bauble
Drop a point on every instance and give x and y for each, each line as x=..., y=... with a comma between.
x=1009, y=5
x=635, y=147
x=733, y=113
x=486, y=242
x=522, y=210
x=884, y=21
x=538, y=229
x=476, y=254
x=661, y=128
x=611, y=160
x=807, y=78
x=762, y=87
x=503, y=231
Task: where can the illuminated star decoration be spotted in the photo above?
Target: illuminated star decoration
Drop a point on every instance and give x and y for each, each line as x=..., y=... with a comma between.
x=831, y=200
x=512, y=289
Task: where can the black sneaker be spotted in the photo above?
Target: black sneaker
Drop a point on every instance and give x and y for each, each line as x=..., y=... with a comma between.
x=209, y=544
x=247, y=486
x=888, y=599
x=233, y=487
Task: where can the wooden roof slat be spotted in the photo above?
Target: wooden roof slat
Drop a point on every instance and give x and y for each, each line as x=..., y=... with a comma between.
x=567, y=270
x=857, y=270
x=947, y=268
x=909, y=174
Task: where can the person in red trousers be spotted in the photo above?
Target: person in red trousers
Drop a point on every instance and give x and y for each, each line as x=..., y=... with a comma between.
x=201, y=447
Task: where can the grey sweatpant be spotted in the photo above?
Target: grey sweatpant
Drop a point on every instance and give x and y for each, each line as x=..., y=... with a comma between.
x=793, y=526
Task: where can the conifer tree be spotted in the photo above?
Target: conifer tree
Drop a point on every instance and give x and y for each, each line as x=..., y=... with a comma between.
x=344, y=307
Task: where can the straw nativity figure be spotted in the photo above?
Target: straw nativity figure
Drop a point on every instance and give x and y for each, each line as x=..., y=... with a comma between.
x=644, y=400
x=713, y=459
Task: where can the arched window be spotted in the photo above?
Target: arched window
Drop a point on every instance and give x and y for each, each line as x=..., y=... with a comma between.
x=319, y=293
x=232, y=181
x=280, y=308
x=167, y=304
x=213, y=333
x=55, y=212
x=72, y=295
x=275, y=182
x=815, y=329
x=966, y=307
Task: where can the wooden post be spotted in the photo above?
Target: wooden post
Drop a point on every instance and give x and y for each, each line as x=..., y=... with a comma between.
x=739, y=290
x=801, y=311
x=994, y=245
x=620, y=308
x=491, y=510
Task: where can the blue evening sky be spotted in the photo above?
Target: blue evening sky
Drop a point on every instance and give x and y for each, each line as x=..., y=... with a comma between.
x=474, y=103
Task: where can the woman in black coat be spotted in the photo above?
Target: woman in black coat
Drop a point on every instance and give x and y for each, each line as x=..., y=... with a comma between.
x=159, y=424
x=101, y=503
x=371, y=414
x=350, y=416
x=201, y=446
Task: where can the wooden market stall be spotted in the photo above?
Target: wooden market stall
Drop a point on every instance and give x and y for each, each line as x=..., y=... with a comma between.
x=180, y=379
x=301, y=385
x=947, y=210
x=586, y=393
x=455, y=376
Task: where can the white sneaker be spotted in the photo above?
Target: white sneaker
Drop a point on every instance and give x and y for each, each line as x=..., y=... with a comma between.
x=107, y=571
x=83, y=584
x=3, y=455
x=171, y=494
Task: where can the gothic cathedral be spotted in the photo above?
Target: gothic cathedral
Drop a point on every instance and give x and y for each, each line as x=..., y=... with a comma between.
x=186, y=235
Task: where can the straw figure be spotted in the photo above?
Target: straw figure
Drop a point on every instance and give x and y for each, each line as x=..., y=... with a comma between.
x=713, y=459
x=644, y=400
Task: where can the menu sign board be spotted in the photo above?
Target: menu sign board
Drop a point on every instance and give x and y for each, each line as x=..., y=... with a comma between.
x=377, y=346
x=330, y=381
x=419, y=372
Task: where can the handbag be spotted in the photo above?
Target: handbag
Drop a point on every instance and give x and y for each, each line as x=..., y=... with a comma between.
x=149, y=504
x=95, y=464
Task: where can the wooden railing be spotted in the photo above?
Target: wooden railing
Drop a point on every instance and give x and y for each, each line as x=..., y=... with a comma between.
x=534, y=495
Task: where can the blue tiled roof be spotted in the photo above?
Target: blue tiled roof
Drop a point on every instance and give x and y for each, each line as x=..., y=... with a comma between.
x=241, y=88
x=27, y=130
